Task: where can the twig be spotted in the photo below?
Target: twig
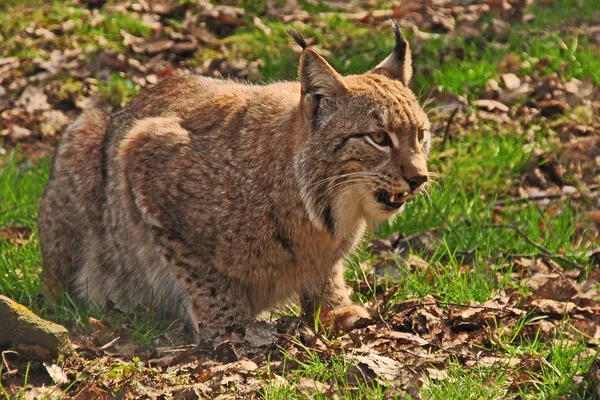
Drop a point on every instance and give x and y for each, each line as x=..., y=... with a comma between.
x=305, y=323
x=109, y=344
x=544, y=250
x=174, y=349
x=590, y=188
x=9, y=370
x=317, y=334
x=530, y=198
x=450, y=119
x=446, y=303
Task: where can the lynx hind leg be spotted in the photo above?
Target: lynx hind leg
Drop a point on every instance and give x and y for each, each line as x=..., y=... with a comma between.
x=215, y=301
x=59, y=250
x=69, y=202
x=331, y=301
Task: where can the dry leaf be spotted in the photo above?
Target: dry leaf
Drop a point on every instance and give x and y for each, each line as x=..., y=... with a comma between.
x=34, y=99
x=553, y=307
x=491, y=105
x=511, y=81
x=56, y=373
x=260, y=334
x=375, y=366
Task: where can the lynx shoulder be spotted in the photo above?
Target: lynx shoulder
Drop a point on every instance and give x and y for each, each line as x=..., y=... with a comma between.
x=213, y=200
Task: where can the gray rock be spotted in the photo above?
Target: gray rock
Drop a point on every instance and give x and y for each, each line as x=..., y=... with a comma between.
x=19, y=325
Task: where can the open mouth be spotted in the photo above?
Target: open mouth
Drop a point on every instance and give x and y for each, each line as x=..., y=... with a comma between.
x=391, y=200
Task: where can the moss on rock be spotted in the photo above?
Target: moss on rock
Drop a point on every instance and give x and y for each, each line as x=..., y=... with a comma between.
x=19, y=325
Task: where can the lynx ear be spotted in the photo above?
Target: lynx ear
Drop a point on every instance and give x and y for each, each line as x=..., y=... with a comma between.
x=320, y=83
x=397, y=65
x=317, y=76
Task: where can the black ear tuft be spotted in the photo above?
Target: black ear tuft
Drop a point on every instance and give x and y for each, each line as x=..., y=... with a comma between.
x=297, y=36
x=397, y=65
x=400, y=49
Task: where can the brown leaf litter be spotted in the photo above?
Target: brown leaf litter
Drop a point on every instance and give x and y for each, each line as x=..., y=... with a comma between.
x=415, y=340
x=408, y=348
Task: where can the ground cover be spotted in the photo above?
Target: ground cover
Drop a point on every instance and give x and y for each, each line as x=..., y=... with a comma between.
x=486, y=287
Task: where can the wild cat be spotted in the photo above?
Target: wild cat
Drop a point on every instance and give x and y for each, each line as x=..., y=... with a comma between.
x=217, y=200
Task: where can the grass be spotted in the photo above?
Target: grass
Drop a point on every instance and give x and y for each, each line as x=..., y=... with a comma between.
x=559, y=362
x=311, y=366
x=465, y=383
x=21, y=187
x=356, y=48
x=475, y=168
x=118, y=90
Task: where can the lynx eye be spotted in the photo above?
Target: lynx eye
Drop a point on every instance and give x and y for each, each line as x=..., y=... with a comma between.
x=381, y=138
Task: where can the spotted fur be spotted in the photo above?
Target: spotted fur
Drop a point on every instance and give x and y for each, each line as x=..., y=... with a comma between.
x=214, y=200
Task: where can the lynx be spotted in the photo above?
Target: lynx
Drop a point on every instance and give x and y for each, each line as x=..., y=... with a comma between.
x=214, y=200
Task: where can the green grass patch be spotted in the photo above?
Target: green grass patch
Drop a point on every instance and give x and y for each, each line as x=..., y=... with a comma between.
x=311, y=366
x=118, y=90
x=562, y=13
x=555, y=369
x=464, y=67
x=21, y=187
x=469, y=383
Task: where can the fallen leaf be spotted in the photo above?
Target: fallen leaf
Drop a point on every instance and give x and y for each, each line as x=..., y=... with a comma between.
x=491, y=105
x=553, y=307
x=33, y=99
x=260, y=334
x=491, y=361
x=56, y=373
x=406, y=338
x=225, y=353
x=511, y=81
x=17, y=133
x=311, y=388
x=549, y=108
x=261, y=25
x=436, y=374
x=54, y=122
x=375, y=366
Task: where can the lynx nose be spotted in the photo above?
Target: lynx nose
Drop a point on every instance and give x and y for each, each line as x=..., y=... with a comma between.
x=416, y=181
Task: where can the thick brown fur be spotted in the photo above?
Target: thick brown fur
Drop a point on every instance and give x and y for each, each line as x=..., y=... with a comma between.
x=215, y=200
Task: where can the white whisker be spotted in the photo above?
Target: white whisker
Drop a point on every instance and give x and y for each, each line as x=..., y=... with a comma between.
x=378, y=187
x=352, y=183
x=428, y=112
x=332, y=178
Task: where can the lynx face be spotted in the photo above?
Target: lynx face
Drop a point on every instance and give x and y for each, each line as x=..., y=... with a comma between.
x=367, y=151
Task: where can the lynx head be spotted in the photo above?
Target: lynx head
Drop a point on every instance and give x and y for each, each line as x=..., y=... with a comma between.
x=367, y=140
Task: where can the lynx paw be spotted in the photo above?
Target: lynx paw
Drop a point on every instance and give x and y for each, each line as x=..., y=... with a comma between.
x=345, y=319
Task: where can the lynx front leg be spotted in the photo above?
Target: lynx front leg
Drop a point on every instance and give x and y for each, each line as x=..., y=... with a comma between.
x=331, y=301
